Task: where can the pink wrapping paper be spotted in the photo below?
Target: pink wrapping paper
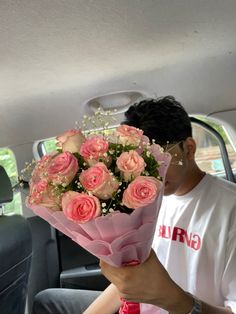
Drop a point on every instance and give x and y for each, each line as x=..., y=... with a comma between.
x=149, y=309
x=116, y=238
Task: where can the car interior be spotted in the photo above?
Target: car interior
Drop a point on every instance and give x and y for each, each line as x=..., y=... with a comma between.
x=61, y=61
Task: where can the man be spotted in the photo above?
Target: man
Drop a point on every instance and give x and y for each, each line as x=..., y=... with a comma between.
x=192, y=266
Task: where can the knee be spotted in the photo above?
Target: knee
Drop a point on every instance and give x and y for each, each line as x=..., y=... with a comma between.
x=43, y=302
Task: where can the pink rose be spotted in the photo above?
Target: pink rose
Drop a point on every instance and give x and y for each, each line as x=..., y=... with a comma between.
x=99, y=181
x=40, y=170
x=128, y=135
x=141, y=192
x=80, y=207
x=163, y=158
x=41, y=193
x=130, y=164
x=70, y=141
x=93, y=149
x=62, y=168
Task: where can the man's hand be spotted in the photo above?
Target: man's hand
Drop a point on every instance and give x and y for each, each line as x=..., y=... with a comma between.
x=149, y=283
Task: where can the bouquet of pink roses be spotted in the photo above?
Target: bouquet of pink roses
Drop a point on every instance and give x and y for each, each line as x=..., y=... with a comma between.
x=104, y=192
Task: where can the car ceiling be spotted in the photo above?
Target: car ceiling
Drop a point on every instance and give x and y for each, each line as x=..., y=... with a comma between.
x=58, y=54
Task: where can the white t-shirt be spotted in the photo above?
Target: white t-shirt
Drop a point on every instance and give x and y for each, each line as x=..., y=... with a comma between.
x=196, y=242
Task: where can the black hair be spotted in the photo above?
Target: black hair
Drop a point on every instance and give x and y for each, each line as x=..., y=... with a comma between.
x=163, y=119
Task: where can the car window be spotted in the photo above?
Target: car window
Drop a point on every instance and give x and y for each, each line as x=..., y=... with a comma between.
x=208, y=155
x=49, y=146
x=8, y=161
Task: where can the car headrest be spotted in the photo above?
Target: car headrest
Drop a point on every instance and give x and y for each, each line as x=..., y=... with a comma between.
x=6, y=193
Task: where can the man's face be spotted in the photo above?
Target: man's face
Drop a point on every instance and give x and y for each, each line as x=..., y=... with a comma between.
x=178, y=170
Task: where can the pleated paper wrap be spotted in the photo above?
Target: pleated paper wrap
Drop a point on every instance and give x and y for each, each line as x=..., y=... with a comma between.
x=117, y=238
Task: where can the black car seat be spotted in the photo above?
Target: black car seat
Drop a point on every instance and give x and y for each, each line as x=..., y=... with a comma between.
x=15, y=254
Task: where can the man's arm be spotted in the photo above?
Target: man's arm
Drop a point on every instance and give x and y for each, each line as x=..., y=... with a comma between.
x=107, y=303
x=150, y=283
